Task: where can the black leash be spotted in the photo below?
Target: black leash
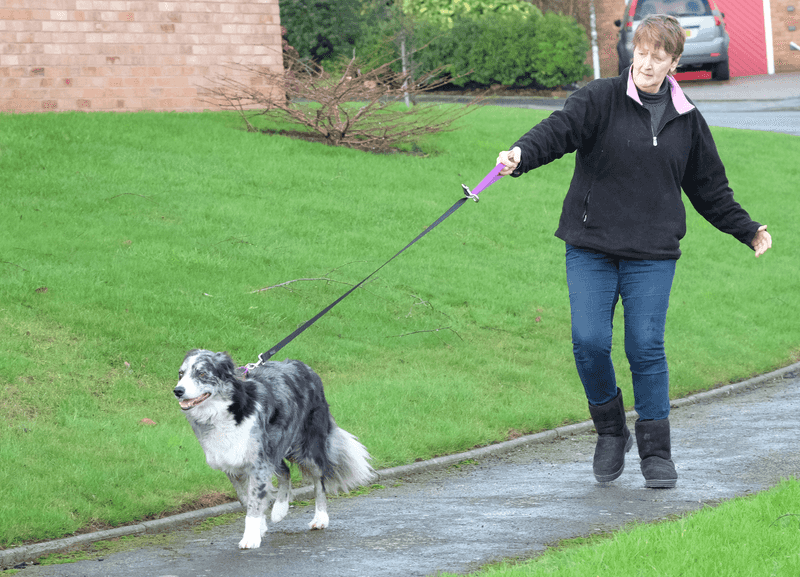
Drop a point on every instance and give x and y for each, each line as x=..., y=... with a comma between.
x=489, y=179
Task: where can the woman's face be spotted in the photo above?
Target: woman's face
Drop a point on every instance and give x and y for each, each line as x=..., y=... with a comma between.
x=650, y=67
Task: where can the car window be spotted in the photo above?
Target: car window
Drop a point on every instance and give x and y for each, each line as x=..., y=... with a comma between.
x=674, y=7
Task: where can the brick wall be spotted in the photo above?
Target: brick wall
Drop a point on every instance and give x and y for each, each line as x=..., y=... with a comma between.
x=783, y=19
x=606, y=11
x=127, y=54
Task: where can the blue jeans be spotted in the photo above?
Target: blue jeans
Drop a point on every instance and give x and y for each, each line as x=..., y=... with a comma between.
x=596, y=282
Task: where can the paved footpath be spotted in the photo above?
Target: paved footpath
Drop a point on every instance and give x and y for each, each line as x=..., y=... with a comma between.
x=510, y=500
x=768, y=103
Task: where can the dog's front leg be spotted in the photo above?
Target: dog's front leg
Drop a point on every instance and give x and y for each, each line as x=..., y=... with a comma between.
x=242, y=486
x=258, y=494
x=239, y=483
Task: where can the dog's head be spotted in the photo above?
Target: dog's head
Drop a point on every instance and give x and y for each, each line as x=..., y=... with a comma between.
x=204, y=380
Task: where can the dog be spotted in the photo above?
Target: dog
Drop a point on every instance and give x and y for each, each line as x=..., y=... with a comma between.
x=251, y=422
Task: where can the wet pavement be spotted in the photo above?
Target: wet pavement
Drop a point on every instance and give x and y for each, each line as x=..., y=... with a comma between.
x=766, y=87
x=500, y=502
x=768, y=103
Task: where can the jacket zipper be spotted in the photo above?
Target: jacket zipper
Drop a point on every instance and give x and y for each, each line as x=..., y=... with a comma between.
x=655, y=136
x=652, y=130
x=586, y=206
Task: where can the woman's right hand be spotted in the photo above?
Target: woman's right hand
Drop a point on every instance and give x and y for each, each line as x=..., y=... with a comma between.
x=511, y=159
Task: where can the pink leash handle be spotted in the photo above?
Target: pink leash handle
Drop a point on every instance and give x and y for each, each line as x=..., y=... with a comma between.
x=493, y=176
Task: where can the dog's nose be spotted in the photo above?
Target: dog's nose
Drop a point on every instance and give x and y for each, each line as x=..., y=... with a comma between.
x=179, y=391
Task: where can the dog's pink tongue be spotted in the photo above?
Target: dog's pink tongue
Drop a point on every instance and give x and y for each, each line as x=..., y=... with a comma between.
x=189, y=403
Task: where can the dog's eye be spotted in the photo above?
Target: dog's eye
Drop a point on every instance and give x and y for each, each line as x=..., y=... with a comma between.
x=180, y=374
x=203, y=375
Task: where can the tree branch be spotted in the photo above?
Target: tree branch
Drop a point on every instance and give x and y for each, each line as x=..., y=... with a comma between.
x=427, y=331
x=325, y=278
x=13, y=264
x=288, y=282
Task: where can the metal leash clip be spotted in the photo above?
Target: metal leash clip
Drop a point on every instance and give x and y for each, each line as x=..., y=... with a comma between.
x=262, y=358
x=493, y=176
x=247, y=368
x=250, y=366
x=468, y=193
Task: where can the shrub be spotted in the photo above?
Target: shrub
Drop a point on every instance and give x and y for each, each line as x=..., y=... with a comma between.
x=321, y=29
x=543, y=51
x=357, y=108
x=559, y=54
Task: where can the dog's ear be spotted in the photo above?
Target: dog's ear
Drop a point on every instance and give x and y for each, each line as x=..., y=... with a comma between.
x=223, y=366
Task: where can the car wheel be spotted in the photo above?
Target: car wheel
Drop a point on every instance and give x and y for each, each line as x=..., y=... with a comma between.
x=721, y=71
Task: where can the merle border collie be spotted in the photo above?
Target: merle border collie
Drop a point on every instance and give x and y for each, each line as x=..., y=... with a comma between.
x=250, y=423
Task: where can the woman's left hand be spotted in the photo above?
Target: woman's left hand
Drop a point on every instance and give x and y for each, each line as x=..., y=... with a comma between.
x=762, y=241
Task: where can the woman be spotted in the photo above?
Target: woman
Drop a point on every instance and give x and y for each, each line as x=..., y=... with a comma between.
x=638, y=141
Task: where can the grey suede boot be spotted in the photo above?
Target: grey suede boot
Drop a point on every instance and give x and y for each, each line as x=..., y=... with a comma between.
x=613, y=439
x=652, y=439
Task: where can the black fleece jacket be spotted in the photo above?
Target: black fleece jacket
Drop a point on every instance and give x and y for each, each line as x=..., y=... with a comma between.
x=625, y=194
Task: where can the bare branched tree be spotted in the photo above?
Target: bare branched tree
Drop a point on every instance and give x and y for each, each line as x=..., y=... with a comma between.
x=361, y=108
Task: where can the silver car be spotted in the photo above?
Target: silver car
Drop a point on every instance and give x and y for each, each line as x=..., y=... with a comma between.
x=706, y=46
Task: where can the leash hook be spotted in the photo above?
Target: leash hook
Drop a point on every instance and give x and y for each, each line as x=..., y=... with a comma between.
x=468, y=193
x=493, y=176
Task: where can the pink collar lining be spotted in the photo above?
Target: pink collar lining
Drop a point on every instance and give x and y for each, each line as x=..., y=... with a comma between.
x=679, y=100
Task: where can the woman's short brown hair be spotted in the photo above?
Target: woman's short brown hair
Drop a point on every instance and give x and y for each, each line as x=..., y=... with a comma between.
x=661, y=31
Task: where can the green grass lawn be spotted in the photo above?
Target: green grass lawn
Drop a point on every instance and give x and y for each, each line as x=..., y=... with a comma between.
x=129, y=239
x=746, y=536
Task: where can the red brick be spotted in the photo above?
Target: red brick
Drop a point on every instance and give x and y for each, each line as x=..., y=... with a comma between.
x=120, y=54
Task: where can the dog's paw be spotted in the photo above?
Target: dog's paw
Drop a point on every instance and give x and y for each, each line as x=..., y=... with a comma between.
x=279, y=510
x=252, y=532
x=320, y=521
x=247, y=543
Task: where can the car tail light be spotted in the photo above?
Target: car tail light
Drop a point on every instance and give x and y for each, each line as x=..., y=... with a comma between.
x=718, y=21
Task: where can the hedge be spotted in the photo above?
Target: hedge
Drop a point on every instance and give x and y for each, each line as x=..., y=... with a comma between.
x=544, y=51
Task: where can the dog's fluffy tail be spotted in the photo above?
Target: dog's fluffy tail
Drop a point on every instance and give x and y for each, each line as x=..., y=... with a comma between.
x=349, y=462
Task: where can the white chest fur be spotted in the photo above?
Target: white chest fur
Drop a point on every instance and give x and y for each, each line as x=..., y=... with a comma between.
x=228, y=447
